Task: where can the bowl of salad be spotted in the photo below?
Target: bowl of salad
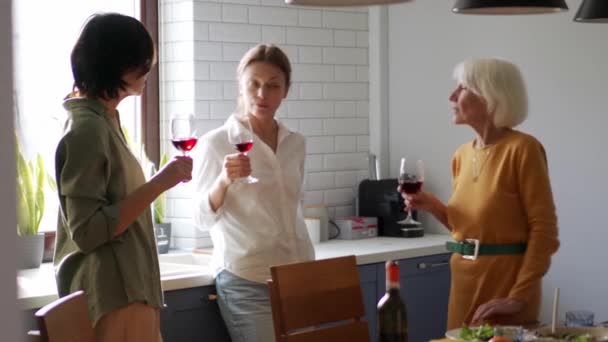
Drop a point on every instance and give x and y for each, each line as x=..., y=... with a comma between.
x=484, y=333
x=572, y=334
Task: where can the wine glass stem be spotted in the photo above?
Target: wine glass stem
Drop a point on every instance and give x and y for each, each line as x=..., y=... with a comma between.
x=409, y=214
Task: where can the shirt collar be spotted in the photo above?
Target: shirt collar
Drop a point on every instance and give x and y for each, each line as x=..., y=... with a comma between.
x=284, y=132
x=75, y=104
x=71, y=104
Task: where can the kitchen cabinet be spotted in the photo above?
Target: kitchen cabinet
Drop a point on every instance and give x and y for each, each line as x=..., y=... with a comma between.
x=192, y=315
x=369, y=286
x=425, y=288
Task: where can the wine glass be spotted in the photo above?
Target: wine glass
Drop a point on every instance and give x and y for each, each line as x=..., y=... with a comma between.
x=183, y=134
x=410, y=180
x=240, y=135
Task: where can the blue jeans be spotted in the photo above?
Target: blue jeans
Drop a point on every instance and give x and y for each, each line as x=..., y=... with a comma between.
x=245, y=307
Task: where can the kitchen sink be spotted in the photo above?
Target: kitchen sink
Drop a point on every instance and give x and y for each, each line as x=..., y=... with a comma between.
x=179, y=264
x=185, y=258
x=168, y=269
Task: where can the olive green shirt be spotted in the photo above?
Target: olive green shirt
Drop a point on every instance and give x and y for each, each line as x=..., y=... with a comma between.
x=95, y=171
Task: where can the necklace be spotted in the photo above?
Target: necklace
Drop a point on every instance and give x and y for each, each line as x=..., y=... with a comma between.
x=479, y=161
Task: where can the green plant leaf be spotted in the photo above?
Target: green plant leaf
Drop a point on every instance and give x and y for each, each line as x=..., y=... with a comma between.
x=160, y=202
x=39, y=200
x=163, y=160
x=29, y=197
x=51, y=182
x=31, y=180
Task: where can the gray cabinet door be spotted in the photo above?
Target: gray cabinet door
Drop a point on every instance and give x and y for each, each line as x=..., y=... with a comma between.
x=192, y=315
x=369, y=287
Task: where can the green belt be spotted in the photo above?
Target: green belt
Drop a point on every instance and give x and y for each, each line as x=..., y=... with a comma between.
x=468, y=248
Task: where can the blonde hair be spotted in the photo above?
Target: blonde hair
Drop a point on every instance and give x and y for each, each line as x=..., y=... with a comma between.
x=500, y=84
x=267, y=53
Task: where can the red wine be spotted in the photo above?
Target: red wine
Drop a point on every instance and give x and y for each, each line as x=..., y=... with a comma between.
x=410, y=187
x=184, y=145
x=244, y=147
x=392, y=314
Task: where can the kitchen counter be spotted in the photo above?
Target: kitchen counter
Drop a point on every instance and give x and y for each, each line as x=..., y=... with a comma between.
x=380, y=249
x=36, y=287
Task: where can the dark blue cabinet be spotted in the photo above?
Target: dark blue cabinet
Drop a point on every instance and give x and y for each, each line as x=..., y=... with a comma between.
x=192, y=315
x=425, y=288
x=369, y=286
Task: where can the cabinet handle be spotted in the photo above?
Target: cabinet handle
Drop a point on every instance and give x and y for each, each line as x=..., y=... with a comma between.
x=212, y=296
x=425, y=265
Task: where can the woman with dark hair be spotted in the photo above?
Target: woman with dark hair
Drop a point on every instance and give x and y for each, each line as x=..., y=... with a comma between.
x=253, y=226
x=105, y=239
x=501, y=213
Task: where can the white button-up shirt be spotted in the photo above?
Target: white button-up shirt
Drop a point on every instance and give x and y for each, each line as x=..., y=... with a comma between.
x=260, y=224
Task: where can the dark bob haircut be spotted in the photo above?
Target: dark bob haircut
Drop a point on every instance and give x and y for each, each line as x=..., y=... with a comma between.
x=109, y=46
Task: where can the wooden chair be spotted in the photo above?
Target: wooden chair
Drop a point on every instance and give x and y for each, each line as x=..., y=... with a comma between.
x=64, y=320
x=306, y=296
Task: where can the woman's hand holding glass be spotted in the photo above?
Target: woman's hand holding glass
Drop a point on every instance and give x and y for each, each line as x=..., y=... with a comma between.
x=236, y=166
x=421, y=200
x=178, y=170
x=240, y=135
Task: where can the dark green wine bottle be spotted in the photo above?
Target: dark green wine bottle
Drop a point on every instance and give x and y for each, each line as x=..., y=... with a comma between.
x=392, y=314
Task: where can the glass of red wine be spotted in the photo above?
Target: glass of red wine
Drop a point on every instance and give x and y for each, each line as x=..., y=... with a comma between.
x=240, y=134
x=411, y=178
x=183, y=134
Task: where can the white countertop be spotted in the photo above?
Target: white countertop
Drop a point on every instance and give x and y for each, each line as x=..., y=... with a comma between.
x=36, y=287
x=380, y=249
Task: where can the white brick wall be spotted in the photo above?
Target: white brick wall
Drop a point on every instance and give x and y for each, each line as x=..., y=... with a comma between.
x=203, y=41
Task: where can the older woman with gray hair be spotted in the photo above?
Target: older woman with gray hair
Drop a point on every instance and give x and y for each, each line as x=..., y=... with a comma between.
x=501, y=214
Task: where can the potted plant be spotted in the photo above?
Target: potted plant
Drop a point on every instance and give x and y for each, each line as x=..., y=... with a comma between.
x=162, y=229
x=31, y=179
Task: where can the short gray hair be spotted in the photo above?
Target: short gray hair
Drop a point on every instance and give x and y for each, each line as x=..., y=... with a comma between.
x=500, y=84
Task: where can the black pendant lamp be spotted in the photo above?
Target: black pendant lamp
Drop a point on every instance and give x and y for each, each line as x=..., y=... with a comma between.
x=339, y=3
x=510, y=6
x=592, y=11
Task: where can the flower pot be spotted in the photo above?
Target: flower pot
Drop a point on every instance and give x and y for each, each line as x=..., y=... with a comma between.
x=31, y=248
x=163, y=237
x=49, y=246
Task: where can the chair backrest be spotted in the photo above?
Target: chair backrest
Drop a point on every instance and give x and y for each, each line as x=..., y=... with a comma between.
x=306, y=296
x=66, y=320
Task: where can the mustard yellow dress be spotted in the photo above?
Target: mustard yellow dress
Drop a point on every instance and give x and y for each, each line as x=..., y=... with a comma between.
x=501, y=194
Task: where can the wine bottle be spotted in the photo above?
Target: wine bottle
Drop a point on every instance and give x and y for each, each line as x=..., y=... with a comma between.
x=392, y=315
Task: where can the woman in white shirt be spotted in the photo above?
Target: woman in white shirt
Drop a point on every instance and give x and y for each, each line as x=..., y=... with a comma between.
x=253, y=225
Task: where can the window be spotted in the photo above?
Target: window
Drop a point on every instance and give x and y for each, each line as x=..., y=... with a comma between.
x=43, y=76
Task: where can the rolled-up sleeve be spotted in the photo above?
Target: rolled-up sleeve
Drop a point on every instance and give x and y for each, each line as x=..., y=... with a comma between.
x=82, y=172
x=208, y=166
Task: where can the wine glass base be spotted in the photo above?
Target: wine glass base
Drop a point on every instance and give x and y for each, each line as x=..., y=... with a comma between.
x=412, y=231
x=247, y=180
x=409, y=222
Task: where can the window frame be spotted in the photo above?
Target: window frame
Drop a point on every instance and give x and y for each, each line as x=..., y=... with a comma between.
x=150, y=99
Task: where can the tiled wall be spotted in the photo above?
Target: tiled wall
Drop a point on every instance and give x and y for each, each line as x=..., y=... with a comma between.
x=202, y=42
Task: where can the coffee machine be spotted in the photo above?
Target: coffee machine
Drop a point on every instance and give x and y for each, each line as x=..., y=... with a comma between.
x=379, y=198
